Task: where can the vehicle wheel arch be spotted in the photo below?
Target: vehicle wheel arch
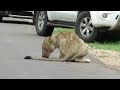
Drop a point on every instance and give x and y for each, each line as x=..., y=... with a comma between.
x=82, y=11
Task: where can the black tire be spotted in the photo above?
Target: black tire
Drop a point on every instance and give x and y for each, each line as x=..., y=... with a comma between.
x=44, y=30
x=1, y=19
x=33, y=20
x=34, y=16
x=81, y=31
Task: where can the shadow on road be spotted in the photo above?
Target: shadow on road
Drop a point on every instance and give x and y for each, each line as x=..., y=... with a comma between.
x=17, y=22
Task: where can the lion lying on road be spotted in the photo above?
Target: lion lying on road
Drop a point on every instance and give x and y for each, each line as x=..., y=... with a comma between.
x=71, y=47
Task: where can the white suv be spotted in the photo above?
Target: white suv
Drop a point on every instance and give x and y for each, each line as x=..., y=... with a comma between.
x=87, y=24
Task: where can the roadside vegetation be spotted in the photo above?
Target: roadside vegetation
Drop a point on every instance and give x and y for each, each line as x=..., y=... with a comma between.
x=106, y=45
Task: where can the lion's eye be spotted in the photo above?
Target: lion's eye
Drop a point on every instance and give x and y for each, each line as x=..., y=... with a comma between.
x=44, y=48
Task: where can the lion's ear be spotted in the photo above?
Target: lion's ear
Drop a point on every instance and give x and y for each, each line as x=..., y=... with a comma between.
x=50, y=40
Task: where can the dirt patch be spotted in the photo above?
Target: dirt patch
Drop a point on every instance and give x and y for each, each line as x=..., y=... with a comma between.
x=110, y=58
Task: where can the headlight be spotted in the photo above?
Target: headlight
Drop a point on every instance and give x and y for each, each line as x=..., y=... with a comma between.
x=104, y=15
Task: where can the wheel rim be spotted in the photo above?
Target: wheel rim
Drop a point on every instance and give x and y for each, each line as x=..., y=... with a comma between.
x=41, y=19
x=86, y=27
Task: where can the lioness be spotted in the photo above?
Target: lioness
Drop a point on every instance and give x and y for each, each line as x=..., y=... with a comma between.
x=71, y=47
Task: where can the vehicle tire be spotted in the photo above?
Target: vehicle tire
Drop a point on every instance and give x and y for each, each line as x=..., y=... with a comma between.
x=34, y=16
x=0, y=19
x=41, y=20
x=84, y=28
x=33, y=20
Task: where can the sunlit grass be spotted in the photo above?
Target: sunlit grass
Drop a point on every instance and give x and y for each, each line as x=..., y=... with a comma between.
x=62, y=30
x=115, y=46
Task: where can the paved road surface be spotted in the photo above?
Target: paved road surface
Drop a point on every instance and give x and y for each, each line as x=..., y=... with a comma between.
x=18, y=39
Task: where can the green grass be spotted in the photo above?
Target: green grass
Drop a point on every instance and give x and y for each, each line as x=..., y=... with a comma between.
x=62, y=30
x=115, y=46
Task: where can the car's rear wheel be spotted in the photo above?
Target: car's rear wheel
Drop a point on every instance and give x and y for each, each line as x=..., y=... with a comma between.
x=41, y=20
x=84, y=28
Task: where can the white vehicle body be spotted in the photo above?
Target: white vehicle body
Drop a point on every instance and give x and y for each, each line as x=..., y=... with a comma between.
x=87, y=24
x=62, y=15
x=110, y=19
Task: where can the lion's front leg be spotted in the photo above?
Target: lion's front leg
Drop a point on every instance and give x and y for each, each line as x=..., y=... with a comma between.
x=61, y=56
x=83, y=60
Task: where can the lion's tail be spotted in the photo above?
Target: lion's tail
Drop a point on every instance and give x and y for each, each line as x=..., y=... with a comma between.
x=28, y=57
x=33, y=58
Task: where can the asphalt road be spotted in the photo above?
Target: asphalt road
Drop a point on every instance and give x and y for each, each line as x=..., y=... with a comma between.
x=19, y=38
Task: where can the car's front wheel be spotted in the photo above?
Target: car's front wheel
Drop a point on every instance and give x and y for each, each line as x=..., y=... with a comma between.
x=41, y=20
x=84, y=28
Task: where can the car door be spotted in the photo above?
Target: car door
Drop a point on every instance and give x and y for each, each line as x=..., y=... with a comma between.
x=64, y=15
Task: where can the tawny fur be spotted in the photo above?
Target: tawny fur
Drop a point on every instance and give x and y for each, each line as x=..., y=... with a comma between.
x=71, y=47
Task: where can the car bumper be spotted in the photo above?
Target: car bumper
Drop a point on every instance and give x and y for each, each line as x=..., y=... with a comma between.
x=116, y=24
x=110, y=19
